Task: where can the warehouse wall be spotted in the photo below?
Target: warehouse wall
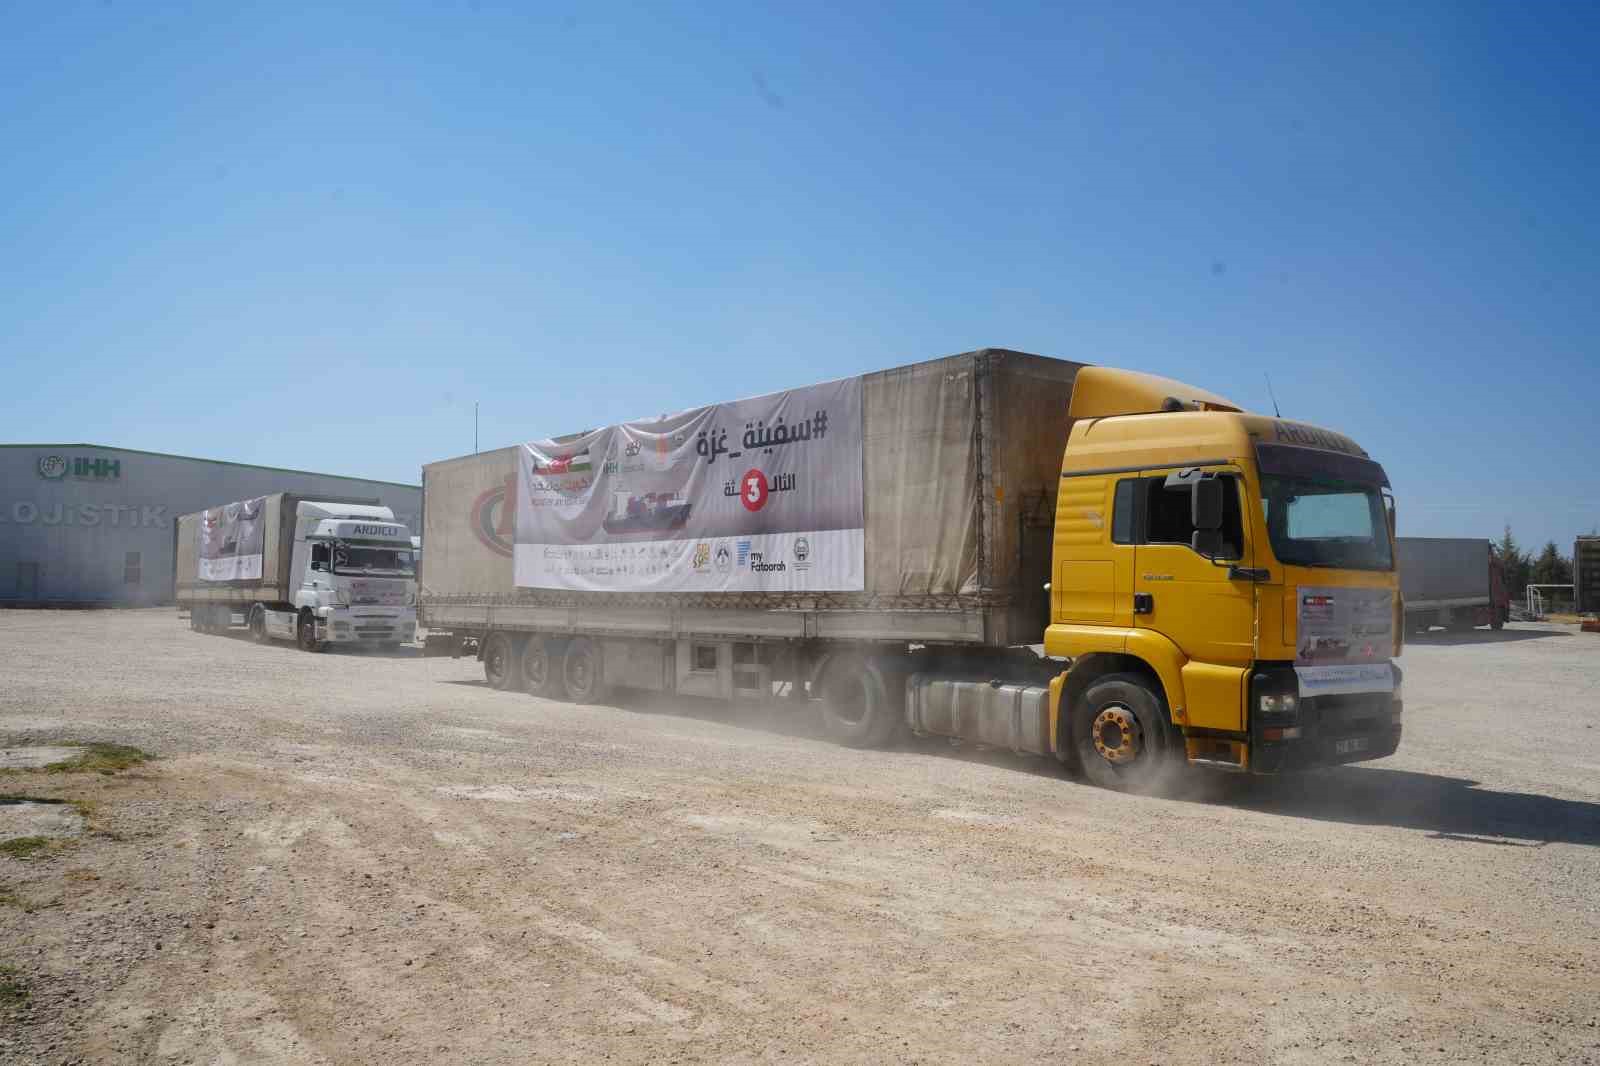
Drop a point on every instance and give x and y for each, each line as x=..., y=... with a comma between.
x=81, y=524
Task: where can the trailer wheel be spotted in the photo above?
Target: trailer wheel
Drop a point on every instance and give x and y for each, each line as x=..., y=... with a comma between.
x=306, y=633
x=1122, y=736
x=258, y=624
x=542, y=664
x=581, y=671
x=499, y=662
x=857, y=710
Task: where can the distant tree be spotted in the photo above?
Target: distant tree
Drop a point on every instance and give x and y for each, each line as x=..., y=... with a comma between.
x=1514, y=563
x=1552, y=568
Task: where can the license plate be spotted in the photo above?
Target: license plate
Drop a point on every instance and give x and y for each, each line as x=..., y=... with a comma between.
x=1345, y=747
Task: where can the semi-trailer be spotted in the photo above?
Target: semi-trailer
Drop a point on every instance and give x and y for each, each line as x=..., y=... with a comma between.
x=1586, y=575
x=1112, y=568
x=318, y=572
x=1454, y=582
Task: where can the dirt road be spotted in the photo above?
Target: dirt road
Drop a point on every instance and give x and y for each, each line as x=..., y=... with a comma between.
x=355, y=859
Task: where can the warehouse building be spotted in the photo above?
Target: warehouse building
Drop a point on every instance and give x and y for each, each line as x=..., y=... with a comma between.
x=85, y=524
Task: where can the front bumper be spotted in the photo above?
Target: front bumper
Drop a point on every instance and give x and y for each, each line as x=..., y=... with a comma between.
x=1323, y=730
x=344, y=625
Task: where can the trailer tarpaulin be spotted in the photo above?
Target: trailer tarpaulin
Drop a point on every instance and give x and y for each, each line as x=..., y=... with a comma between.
x=763, y=494
x=231, y=541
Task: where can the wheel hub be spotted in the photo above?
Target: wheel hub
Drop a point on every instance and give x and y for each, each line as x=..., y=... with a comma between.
x=1117, y=736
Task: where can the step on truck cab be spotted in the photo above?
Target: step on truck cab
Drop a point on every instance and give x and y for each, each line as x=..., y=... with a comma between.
x=1121, y=571
x=318, y=572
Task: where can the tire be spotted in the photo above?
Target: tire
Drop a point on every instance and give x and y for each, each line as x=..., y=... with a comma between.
x=541, y=664
x=258, y=624
x=194, y=619
x=305, y=631
x=499, y=662
x=857, y=708
x=582, y=671
x=1123, y=738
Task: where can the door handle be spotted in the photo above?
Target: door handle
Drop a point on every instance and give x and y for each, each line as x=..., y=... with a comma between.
x=1143, y=603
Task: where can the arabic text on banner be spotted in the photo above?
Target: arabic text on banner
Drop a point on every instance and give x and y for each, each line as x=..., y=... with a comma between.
x=757, y=495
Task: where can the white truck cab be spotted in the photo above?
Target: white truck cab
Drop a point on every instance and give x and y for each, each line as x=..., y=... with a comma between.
x=355, y=578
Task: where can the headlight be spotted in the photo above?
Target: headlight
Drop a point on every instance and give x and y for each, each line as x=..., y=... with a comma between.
x=1280, y=704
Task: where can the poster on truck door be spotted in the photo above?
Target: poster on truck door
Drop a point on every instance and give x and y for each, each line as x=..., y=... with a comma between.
x=1343, y=640
x=759, y=495
x=231, y=541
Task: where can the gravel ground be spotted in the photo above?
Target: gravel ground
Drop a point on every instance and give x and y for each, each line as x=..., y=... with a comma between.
x=358, y=858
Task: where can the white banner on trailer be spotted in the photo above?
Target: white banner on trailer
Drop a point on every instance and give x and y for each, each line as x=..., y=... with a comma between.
x=231, y=539
x=757, y=495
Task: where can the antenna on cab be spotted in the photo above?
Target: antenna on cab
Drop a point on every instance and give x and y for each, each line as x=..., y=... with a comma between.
x=1276, y=413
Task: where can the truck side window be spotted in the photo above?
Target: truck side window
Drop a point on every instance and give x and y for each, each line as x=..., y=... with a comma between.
x=319, y=557
x=1122, y=525
x=1167, y=513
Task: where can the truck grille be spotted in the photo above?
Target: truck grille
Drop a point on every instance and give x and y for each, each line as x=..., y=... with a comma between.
x=1362, y=712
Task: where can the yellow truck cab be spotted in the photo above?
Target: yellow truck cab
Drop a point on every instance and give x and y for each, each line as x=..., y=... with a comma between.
x=1224, y=584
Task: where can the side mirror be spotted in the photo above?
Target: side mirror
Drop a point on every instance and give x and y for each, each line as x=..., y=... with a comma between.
x=1207, y=542
x=1205, y=506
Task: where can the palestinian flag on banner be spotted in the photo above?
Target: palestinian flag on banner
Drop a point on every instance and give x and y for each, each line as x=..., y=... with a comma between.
x=570, y=464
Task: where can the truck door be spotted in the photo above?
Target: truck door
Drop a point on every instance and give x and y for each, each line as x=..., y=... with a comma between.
x=1181, y=594
x=1094, y=547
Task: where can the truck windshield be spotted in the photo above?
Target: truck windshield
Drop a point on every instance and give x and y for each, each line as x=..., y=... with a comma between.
x=388, y=561
x=1315, y=522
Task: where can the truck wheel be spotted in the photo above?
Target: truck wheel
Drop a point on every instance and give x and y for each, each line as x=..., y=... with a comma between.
x=306, y=633
x=581, y=671
x=258, y=624
x=856, y=708
x=1122, y=737
x=542, y=665
x=499, y=662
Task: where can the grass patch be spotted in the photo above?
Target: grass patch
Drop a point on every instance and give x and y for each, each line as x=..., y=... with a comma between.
x=24, y=847
x=99, y=759
x=12, y=990
x=9, y=898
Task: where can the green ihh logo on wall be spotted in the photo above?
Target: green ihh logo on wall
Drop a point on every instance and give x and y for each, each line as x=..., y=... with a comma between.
x=81, y=467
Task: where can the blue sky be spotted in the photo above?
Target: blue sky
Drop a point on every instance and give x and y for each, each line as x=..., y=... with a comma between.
x=314, y=237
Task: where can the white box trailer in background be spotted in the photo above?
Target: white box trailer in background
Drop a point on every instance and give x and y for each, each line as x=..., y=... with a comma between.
x=959, y=461
x=1454, y=582
x=314, y=571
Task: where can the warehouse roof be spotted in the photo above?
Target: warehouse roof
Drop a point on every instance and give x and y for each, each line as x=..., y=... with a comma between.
x=214, y=462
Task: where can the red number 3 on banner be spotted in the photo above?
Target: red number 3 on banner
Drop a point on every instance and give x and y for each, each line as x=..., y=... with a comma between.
x=753, y=492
